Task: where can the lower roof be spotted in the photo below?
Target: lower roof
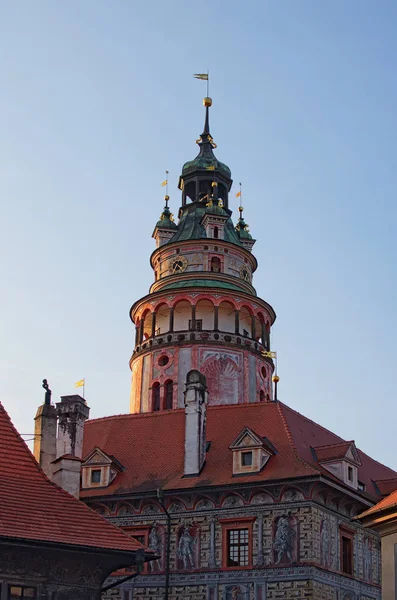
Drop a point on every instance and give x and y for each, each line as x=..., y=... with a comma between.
x=33, y=508
x=151, y=448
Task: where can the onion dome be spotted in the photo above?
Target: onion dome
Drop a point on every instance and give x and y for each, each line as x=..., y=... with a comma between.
x=242, y=227
x=206, y=159
x=166, y=217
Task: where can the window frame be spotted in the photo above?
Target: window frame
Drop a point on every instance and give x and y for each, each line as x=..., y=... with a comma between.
x=233, y=524
x=95, y=470
x=23, y=587
x=347, y=534
x=133, y=531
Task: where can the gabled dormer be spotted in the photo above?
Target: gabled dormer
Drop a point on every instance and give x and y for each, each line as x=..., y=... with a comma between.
x=250, y=452
x=99, y=469
x=342, y=460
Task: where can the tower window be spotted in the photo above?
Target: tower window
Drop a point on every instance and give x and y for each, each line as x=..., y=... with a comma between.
x=169, y=392
x=198, y=325
x=215, y=264
x=261, y=396
x=216, y=232
x=156, y=397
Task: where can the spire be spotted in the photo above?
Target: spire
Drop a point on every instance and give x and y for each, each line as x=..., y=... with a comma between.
x=241, y=226
x=207, y=103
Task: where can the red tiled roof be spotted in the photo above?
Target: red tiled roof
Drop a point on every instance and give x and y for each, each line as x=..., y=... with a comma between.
x=386, y=503
x=386, y=486
x=151, y=448
x=332, y=451
x=34, y=508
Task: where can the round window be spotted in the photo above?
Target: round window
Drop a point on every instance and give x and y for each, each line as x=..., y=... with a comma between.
x=163, y=360
x=263, y=371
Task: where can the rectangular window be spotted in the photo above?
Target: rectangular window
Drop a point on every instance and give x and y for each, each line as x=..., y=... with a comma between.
x=361, y=486
x=350, y=473
x=347, y=555
x=199, y=325
x=237, y=550
x=246, y=459
x=20, y=591
x=96, y=476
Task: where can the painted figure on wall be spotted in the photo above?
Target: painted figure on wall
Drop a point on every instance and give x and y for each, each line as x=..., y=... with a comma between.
x=222, y=374
x=187, y=547
x=285, y=539
x=325, y=543
x=367, y=559
x=156, y=544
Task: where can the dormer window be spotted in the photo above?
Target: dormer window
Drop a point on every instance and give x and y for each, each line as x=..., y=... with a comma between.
x=96, y=475
x=246, y=459
x=99, y=469
x=342, y=460
x=250, y=452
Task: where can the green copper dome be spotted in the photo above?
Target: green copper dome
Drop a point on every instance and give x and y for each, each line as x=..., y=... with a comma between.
x=204, y=162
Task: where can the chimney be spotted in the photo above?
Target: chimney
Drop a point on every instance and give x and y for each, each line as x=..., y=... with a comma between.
x=66, y=473
x=72, y=411
x=196, y=398
x=45, y=432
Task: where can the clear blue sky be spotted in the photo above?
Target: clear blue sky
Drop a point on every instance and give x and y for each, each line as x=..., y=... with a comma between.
x=97, y=99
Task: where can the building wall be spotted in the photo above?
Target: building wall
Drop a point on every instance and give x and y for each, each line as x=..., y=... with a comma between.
x=389, y=546
x=311, y=571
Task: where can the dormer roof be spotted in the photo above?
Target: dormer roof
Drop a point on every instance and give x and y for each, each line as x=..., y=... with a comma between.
x=98, y=457
x=339, y=451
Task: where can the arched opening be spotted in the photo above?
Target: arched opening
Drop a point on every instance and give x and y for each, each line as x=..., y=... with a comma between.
x=215, y=264
x=205, y=315
x=222, y=194
x=182, y=315
x=226, y=317
x=168, y=395
x=190, y=191
x=216, y=232
x=245, y=322
x=155, y=397
x=162, y=319
x=261, y=396
x=146, y=325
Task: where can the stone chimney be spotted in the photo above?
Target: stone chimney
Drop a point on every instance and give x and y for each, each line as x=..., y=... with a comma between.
x=72, y=411
x=196, y=398
x=67, y=473
x=45, y=433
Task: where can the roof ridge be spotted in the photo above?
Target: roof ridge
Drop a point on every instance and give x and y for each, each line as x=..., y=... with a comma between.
x=386, y=480
x=378, y=463
x=311, y=421
x=291, y=439
x=180, y=410
x=337, y=444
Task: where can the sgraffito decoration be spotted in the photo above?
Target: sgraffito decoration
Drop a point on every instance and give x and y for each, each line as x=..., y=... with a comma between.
x=188, y=547
x=285, y=540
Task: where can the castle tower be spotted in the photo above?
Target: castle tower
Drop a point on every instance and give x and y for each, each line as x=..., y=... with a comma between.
x=202, y=312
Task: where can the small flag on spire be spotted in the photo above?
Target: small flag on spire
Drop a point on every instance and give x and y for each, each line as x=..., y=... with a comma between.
x=238, y=194
x=269, y=354
x=79, y=383
x=164, y=183
x=203, y=76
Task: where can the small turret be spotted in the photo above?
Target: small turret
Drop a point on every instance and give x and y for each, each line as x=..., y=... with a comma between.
x=165, y=226
x=242, y=229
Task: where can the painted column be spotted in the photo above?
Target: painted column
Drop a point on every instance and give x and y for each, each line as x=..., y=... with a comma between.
x=212, y=558
x=141, y=328
x=237, y=322
x=253, y=327
x=136, y=335
x=171, y=327
x=153, y=324
x=216, y=318
x=193, y=325
x=264, y=334
x=260, y=557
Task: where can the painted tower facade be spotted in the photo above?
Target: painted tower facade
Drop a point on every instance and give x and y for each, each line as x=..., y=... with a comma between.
x=202, y=311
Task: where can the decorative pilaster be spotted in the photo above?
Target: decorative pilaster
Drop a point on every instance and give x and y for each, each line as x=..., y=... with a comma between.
x=260, y=558
x=212, y=557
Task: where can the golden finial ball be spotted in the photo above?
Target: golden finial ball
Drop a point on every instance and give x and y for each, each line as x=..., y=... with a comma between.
x=214, y=184
x=207, y=101
x=275, y=378
x=166, y=198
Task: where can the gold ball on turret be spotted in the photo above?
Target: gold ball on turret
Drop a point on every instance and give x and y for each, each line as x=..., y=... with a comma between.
x=214, y=184
x=275, y=378
x=207, y=101
x=166, y=198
